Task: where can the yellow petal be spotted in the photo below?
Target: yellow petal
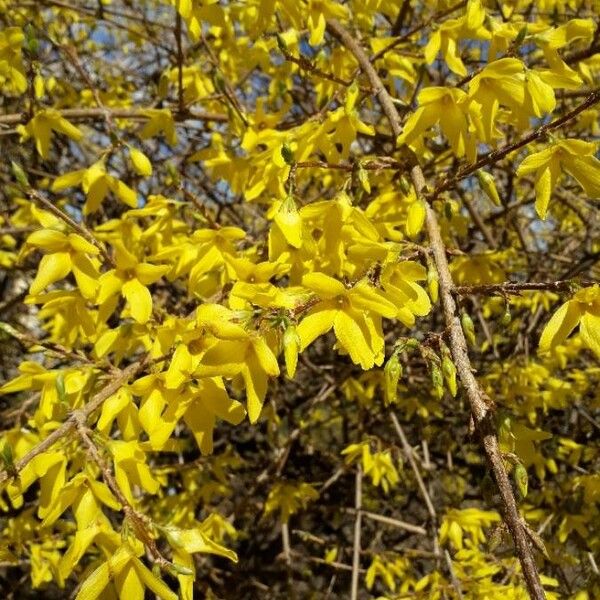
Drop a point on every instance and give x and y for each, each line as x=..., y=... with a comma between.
x=352, y=339
x=86, y=275
x=63, y=126
x=289, y=221
x=317, y=31
x=562, y=323
x=415, y=219
x=139, y=299
x=367, y=297
x=53, y=267
x=589, y=330
x=323, y=285
x=266, y=358
x=49, y=239
x=80, y=244
x=141, y=163
x=586, y=170
x=315, y=324
x=158, y=586
x=256, y=387
x=95, y=584
x=122, y=191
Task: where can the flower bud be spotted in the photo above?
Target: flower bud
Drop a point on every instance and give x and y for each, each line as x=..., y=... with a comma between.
x=468, y=328
x=392, y=373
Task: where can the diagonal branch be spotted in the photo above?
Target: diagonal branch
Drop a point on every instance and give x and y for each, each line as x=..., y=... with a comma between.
x=498, y=154
x=481, y=409
x=78, y=416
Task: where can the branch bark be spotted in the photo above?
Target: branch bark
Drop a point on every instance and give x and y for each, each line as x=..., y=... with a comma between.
x=480, y=406
x=78, y=416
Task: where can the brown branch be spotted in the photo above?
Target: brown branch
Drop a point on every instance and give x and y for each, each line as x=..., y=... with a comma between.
x=498, y=154
x=81, y=229
x=178, y=34
x=480, y=405
x=408, y=453
x=389, y=521
x=76, y=114
x=382, y=162
x=139, y=521
x=515, y=287
x=81, y=414
x=357, y=528
x=433, y=19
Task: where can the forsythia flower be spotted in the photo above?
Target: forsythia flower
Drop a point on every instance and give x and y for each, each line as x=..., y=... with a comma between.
x=575, y=157
x=583, y=310
x=354, y=314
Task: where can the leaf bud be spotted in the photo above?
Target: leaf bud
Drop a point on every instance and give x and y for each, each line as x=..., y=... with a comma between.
x=433, y=282
x=488, y=186
x=521, y=479
x=468, y=328
x=19, y=174
x=281, y=43
x=392, y=373
x=287, y=154
x=437, y=379
x=363, y=177
x=521, y=36
x=448, y=369
x=506, y=317
x=405, y=184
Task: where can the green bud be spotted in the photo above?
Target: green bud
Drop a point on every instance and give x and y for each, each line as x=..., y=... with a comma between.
x=521, y=35
x=437, y=379
x=163, y=86
x=433, y=282
x=506, y=317
x=448, y=210
x=31, y=42
x=219, y=81
x=405, y=184
x=521, y=479
x=180, y=569
x=287, y=154
x=281, y=43
x=468, y=328
x=19, y=174
x=412, y=344
x=495, y=538
x=488, y=186
x=7, y=456
x=448, y=369
x=59, y=383
x=392, y=373
x=125, y=531
x=537, y=542
x=363, y=177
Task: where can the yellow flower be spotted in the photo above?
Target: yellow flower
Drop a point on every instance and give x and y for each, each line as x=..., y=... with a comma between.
x=353, y=313
x=130, y=279
x=454, y=112
x=96, y=183
x=41, y=127
x=66, y=253
x=574, y=157
x=583, y=310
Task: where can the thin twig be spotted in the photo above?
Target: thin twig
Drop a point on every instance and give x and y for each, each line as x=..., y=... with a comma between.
x=357, y=529
x=83, y=413
x=81, y=229
x=95, y=113
x=498, y=154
